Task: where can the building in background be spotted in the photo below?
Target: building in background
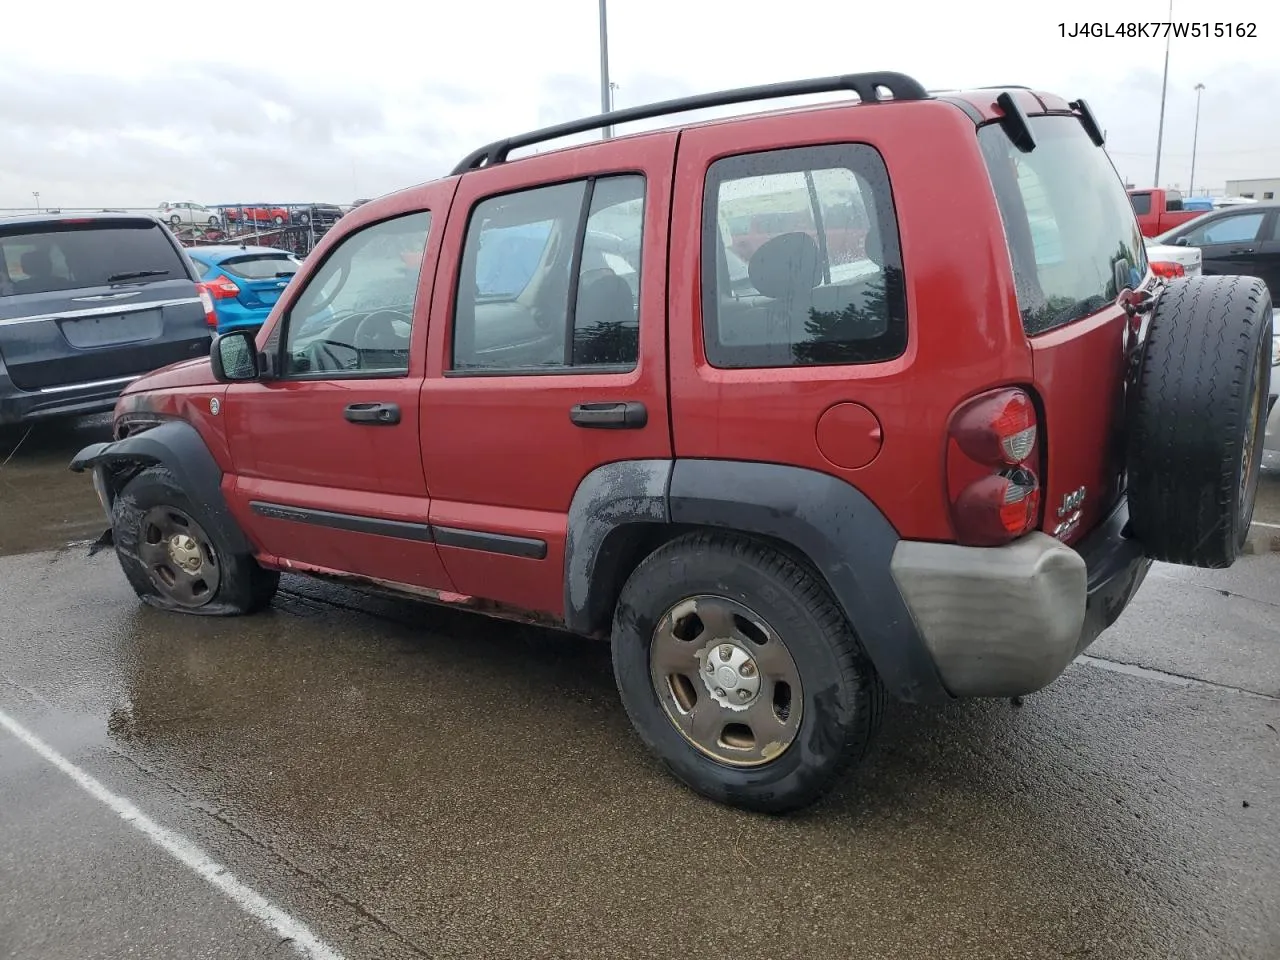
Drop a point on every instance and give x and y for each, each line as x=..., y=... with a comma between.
x=1263, y=189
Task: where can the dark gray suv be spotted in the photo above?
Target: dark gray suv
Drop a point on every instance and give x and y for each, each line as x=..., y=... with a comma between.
x=89, y=302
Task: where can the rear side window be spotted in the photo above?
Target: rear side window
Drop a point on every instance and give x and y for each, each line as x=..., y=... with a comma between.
x=802, y=264
x=1067, y=219
x=550, y=279
x=74, y=257
x=267, y=267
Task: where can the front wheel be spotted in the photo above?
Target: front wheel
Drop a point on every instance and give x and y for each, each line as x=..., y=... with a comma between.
x=173, y=561
x=740, y=672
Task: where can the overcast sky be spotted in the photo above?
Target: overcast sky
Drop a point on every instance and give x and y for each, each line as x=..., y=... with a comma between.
x=137, y=101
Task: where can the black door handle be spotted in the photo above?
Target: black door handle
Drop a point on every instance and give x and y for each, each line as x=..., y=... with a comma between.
x=379, y=414
x=626, y=415
x=1243, y=250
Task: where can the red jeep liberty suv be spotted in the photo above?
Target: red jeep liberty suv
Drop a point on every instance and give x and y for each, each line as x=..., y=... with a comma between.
x=923, y=441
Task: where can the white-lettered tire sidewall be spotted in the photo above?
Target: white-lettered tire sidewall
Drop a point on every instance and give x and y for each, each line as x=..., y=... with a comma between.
x=830, y=705
x=153, y=487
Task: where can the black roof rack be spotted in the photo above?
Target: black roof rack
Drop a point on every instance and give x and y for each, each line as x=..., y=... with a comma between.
x=865, y=85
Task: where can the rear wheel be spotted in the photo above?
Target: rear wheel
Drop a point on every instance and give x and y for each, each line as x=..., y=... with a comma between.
x=1199, y=418
x=172, y=559
x=741, y=674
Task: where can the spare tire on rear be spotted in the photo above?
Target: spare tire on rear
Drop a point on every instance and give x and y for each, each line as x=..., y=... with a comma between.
x=1197, y=419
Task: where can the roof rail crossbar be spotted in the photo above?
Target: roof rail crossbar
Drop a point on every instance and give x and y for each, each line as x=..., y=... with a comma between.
x=865, y=85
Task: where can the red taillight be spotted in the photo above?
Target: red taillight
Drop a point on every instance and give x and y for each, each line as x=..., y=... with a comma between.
x=993, y=457
x=206, y=300
x=223, y=288
x=1167, y=269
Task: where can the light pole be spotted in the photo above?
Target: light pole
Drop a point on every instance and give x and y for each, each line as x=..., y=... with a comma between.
x=604, y=69
x=1164, y=88
x=1195, y=136
x=36, y=194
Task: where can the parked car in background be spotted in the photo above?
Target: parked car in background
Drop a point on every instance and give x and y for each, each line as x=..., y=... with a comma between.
x=257, y=214
x=184, y=213
x=1173, y=261
x=1159, y=210
x=88, y=303
x=1241, y=240
x=319, y=214
x=245, y=282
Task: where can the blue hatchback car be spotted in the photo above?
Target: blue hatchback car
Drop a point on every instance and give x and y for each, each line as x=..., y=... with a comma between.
x=245, y=281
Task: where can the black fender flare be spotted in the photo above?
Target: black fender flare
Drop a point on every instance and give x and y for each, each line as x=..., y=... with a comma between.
x=832, y=523
x=177, y=446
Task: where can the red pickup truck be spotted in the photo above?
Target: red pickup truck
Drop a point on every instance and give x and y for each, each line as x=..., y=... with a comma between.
x=1159, y=210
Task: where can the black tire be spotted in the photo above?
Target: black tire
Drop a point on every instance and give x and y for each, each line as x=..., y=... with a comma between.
x=1198, y=420
x=175, y=220
x=841, y=698
x=242, y=586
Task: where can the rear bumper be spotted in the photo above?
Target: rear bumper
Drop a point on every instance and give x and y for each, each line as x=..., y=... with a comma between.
x=73, y=400
x=1007, y=621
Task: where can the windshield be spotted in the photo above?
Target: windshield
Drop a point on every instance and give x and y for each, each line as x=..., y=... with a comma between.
x=1068, y=220
x=71, y=257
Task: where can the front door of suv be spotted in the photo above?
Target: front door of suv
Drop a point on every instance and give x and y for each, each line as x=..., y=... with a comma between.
x=328, y=471
x=552, y=284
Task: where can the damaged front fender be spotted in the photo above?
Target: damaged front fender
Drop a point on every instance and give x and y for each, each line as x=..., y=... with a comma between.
x=178, y=447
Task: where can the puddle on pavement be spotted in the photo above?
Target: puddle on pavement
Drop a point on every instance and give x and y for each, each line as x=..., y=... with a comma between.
x=43, y=505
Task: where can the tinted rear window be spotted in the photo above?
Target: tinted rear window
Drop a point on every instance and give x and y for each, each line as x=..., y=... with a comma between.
x=266, y=267
x=84, y=255
x=1068, y=221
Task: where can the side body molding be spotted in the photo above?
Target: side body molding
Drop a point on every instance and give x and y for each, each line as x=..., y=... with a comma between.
x=177, y=446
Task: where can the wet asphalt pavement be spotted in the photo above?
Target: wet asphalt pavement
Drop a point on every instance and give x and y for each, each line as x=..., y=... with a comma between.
x=413, y=782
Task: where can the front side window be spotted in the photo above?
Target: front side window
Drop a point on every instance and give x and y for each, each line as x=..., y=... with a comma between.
x=1068, y=221
x=550, y=279
x=1141, y=203
x=355, y=315
x=1240, y=228
x=801, y=259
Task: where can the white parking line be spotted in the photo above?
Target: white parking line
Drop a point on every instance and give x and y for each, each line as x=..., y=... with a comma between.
x=1269, y=526
x=183, y=850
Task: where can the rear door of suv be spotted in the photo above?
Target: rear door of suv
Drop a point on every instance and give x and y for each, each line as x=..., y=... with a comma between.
x=93, y=301
x=546, y=355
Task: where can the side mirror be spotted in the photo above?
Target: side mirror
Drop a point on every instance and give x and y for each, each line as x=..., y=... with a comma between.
x=1182, y=242
x=234, y=356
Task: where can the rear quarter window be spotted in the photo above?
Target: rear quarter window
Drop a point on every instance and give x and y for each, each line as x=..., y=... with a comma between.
x=71, y=257
x=1067, y=219
x=801, y=259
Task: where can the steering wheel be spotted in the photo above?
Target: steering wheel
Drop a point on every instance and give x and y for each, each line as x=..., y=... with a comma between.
x=379, y=329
